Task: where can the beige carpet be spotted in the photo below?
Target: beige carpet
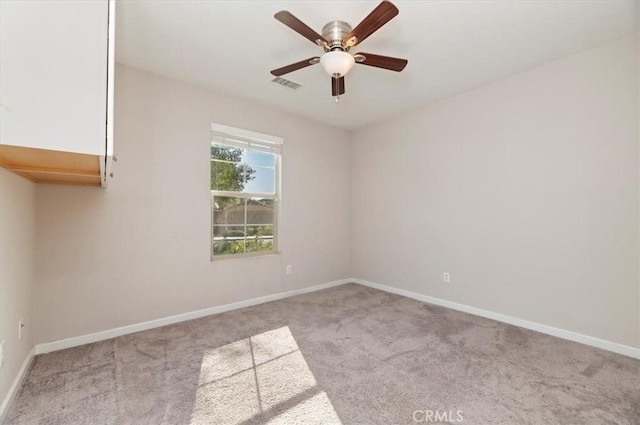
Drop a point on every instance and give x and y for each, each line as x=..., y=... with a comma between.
x=350, y=355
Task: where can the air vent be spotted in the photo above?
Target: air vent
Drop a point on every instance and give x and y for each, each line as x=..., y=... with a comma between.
x=286, y=83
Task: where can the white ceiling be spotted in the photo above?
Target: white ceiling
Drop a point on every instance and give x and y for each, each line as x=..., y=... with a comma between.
x=452, y=46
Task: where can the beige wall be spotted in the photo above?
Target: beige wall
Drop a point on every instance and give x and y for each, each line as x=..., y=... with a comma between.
x=17, y=244
x=139, y=250
x=525, y=190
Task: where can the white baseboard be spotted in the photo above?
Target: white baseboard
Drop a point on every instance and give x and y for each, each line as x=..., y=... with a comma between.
x=549, y=330
x=112, y=333
x=17, y=383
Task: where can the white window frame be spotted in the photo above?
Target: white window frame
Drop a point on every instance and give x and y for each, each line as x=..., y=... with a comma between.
x=246, y=139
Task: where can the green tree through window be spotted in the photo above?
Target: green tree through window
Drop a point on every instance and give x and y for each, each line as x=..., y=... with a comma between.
x=227, y=170
x=230, y=172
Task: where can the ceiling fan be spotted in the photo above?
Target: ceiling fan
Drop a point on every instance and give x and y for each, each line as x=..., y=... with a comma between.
x=337, y=39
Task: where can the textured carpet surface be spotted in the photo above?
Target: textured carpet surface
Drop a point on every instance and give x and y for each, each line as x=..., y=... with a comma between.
x=350, y=355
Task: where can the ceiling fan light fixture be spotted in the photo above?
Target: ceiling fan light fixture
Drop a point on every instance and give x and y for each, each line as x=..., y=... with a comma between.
x=337, y=63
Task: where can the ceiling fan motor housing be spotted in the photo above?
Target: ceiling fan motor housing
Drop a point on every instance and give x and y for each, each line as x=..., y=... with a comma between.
x=334, y=32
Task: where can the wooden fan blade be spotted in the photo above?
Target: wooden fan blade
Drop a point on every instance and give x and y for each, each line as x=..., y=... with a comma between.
x=376, y=19
x=298, y=26
x=295, y=66
x=337, y=86
x=385, y=62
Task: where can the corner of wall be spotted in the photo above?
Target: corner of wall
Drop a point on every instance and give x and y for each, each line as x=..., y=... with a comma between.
x=17, y=246
x=351, y=138
x=638, y=147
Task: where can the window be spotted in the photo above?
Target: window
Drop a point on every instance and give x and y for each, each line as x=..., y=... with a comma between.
x=245, y=174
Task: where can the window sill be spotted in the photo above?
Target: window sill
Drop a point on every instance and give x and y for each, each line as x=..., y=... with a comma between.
x=216, y=258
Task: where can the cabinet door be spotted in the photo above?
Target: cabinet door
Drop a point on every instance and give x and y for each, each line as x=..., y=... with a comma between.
x=53, y=74
x=108, y=155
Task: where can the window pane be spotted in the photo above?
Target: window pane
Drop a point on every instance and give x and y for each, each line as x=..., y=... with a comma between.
x=261, y=159
x=229, y=176
x=266, y=231
x=225, y=247
x=263, y=180
x=260, y=211
x=226, y=153
x=228, y=232
x=259, y=243
x=227, y=169
x=227, y=210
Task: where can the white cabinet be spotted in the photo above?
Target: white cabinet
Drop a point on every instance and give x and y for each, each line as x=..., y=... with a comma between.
x=56, y=89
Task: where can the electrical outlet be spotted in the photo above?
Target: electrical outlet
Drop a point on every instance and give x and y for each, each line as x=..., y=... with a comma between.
x=20, y=326
x=289, y=270
x=1, y=353
x=446, y=277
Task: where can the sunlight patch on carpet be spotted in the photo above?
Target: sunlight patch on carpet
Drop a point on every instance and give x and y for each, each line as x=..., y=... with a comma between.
x=264, y=375
x=317, y=410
